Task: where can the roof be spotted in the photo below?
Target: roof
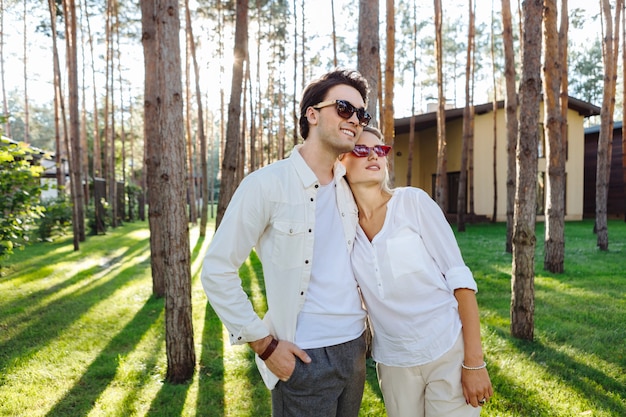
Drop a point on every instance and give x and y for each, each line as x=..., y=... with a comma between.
x=596, y=128
x=428, y=120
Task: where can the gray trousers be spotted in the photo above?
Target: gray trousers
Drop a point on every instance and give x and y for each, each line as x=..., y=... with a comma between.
x=331, y=385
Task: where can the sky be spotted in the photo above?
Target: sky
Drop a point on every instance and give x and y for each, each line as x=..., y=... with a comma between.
x=318, y=27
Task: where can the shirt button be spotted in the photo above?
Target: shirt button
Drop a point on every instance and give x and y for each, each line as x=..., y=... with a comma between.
x=306, y=261
x=317, y=186
x=301, y=292
x=310, y=230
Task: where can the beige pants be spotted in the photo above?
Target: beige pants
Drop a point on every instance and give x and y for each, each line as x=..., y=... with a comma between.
x=431, y=390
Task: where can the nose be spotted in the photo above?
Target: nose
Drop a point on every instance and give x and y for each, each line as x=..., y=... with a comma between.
x=372, y=155
x=354, y=119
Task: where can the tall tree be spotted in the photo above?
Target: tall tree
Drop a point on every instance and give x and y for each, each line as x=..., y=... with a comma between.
x=59, y=100
x=467, y=131
x=168, y=184
x=409, y=171
x=332, y=13
x=191, y=187
x=78, y=201
x=610, y=48
x=201, y=133
x=494, y=108
x=233, y=133
x=25, y=66
x=390, y=63
x=554, y=242
x=510, y=104
x=294, y=100
x=524, y=239
x=152, y=141
x=97, y=155
x=5, y=110
x=441, y=183
x=368, y=51
x=624, y=100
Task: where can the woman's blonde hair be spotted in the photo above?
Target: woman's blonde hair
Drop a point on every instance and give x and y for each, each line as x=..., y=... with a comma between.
x=385, y=185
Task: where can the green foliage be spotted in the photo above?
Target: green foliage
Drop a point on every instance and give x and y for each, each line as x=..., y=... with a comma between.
x=56, y=218
x=19, y=195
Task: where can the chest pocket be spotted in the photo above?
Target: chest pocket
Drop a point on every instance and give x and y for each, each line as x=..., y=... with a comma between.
x=289, y=244
x=408, y=256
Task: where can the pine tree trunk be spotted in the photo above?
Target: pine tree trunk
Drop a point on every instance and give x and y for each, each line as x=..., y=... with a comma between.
x=97, y=157
x=78, y=221
x=494, y=108
x=462, y=194
x=5, y=106
x=605, y=138
x=153, y=153
x=233, y=133
x=201, y=133
x=441, y=183
x=191, y=180
x=409, y=170
x=554, y=245
x=524, y=239
x=25, y=58
x=169, y=184
x=388, y=111
x=59, y=101
x=510, y=104
x=368, y=51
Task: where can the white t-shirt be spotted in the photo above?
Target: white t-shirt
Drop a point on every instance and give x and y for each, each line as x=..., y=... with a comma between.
x=333, y=311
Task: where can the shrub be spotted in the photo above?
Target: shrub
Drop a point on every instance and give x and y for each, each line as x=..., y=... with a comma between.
x=19, y=195
x=56, y=218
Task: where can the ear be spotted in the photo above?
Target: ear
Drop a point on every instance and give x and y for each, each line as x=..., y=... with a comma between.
x=312, y=115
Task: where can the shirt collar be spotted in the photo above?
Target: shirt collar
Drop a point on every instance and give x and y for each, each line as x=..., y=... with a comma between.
x=306, y=174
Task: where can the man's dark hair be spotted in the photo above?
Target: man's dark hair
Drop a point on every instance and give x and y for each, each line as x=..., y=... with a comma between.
x=315, y=92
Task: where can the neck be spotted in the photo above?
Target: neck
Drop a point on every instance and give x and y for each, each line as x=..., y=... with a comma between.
x=369, y=199
x=321, y=161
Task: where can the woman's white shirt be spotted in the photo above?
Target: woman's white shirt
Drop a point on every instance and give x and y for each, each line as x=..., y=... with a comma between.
x=408, y=274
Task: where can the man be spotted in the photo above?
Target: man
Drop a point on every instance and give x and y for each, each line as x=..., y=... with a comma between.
x=300, y=217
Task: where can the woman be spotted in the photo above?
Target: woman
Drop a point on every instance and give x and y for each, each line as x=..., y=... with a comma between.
x=419, y=293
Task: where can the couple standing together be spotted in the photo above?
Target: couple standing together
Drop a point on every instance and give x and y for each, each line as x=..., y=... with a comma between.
x=335, y=240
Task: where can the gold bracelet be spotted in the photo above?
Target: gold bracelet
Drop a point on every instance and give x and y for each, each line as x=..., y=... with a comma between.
x=473, y=368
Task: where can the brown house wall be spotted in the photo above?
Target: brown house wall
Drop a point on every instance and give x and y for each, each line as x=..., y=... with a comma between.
x=616, y=204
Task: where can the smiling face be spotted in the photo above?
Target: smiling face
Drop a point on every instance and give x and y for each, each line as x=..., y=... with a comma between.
x=333, y=131
x=369, y=169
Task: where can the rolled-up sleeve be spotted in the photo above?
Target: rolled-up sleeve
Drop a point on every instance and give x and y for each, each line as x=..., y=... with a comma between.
x=442, y=245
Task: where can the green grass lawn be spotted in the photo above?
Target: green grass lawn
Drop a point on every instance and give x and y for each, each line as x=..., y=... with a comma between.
x=81, y=334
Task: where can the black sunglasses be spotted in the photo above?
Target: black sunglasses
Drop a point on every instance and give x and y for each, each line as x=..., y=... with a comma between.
x=362, y=151
x=345, y=109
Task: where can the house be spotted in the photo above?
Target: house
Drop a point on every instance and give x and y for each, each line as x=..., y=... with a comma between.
x=424, y=165
x=616, y=202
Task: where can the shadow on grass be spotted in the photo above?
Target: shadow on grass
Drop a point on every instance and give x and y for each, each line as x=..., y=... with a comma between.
x=40, y=259
x=81, y=398
x=47, y=320
x=210, y=401
x=170, y=401
x=39, y=272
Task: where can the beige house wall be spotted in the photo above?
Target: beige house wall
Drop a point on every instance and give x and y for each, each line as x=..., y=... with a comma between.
x=425, y=162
